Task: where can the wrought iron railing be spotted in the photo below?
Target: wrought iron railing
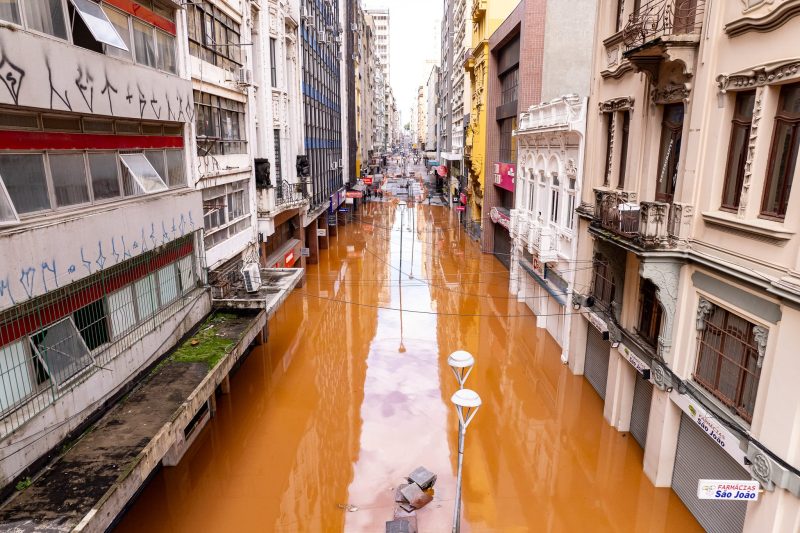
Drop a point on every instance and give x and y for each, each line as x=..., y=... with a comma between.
x=289, y=193
x=618, y=213
x=658, y=18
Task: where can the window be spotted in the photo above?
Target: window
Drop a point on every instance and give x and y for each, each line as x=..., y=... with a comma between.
x=531, y=191
x=570, y=222
x=156, y=158
x=91, y=323
x=509, y=86
x=24, y=179
x=8, y=215
x=727, y=360
x=555, y=198
x=650, y=312
x=98, y=24
x=220, y=125
x=669, y=152
x=15, y=377
x=168, y=284
x=144, y=43
x=104, y=172
x=783, y=154
x=176, y=172
x=508, y=143
x=213, y=36
x=623, y=156
x=122, y=310
x=603, y=288
x=186, y=274
x=609, y=117
x=273, y=67
x=737, y=150
x=223, y=207
x=68, y=172
x=9, y=11
x=146, y=296
x=121, y=24
x=140, y=176
x=46, y=16
x=278, y=170
x=61, y=351
x=165, y=44
x=619, y=22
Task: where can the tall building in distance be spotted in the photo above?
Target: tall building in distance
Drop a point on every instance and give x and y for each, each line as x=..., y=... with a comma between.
x=380, y=18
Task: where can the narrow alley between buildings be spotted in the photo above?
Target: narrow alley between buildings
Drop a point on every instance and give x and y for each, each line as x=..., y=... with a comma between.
x=352, y=392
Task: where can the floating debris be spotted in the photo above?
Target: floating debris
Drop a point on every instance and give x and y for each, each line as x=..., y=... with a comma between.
x=347, y=507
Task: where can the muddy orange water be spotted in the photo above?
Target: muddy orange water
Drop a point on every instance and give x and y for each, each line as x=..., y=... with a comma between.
x=350, y=394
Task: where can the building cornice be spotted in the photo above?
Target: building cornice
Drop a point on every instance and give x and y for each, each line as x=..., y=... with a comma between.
x=758, y=76
x=769, y=22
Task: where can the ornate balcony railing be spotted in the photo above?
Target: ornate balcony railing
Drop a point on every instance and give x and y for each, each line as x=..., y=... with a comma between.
x=659, y=18
x=648, y=224
x=289, y=193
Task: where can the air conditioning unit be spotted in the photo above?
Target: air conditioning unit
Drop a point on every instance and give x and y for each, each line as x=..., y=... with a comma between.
x=252, y=277
x=244, y=77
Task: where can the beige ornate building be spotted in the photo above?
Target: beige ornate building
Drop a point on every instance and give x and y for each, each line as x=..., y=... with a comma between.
x=687, y=218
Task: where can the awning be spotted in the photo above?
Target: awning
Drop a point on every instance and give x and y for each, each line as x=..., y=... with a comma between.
x=559, y=297
x=451, y=156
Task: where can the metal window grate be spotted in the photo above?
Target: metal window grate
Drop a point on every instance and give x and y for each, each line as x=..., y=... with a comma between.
x=50, y=343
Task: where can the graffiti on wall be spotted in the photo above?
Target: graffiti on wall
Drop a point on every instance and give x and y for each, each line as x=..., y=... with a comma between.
x=50, y=273
x=80, y=82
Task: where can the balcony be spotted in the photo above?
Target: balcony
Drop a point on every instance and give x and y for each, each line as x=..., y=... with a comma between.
x=543, y=242
x=662, y=31
x=478, y=10
x=285, y=195
x=646, y=225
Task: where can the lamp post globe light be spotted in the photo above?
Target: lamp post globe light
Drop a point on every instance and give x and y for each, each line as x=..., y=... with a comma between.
x=467, y=403
x=461, y=363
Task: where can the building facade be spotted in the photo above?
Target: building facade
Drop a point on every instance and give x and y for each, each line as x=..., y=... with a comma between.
x=689, y=327
x=432, y=126
x=100, y=227
x=547, y=179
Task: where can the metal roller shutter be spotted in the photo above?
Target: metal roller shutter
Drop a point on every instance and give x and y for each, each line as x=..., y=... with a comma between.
x=640, y=413
x=596, y=365
x=698, y=457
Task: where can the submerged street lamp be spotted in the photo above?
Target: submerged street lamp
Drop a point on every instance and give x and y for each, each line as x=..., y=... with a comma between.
x=467, y=403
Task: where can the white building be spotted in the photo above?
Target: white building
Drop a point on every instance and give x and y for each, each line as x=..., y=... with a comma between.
x=380, y=18
x=100, y=229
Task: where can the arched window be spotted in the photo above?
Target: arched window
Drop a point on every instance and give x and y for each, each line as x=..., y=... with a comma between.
x=555, y=198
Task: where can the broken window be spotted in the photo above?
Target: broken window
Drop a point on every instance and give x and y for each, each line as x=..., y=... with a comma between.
x=141, y=177
x=61, y=350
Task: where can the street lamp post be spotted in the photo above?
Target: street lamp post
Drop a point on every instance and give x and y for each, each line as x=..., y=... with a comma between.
x=461, y=363
x=467, y=403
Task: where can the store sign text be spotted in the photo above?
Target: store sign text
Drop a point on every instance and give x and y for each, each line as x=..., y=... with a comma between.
x=722, y=489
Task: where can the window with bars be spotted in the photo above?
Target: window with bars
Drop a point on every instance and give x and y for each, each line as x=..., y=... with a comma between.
x=213, y=36
x=220, y=125
x=277, y=146
x=728, y=360
x=783, y=154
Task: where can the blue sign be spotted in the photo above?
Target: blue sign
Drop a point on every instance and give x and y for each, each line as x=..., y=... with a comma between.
x=343, y=209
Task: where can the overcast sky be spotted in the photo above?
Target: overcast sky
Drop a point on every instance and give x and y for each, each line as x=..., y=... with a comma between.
x=414, y=38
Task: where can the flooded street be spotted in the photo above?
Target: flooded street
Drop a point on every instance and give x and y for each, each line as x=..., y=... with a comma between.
x=352, y=392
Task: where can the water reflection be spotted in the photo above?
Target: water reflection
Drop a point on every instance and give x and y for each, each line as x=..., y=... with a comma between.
x=332, y=412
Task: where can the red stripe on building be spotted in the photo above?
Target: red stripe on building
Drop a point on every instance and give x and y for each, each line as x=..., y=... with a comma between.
x=50, y=313
x=141, y=12
x=40, y=140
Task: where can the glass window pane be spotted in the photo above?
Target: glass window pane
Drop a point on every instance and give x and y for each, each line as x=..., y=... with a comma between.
x=69, y=179
x=46, y=16
x=23, y=176
x=168, y=284
x=156, y=158
x=15, y=376
x=9, y=11
x=143, y=43
x=123, y=314
x=144, y=176
x=7, y=212
x=62, y=349
x=166, y=52
x=176, y=174
x=105, y=175
x=92, y=325
x=146, y=298
x=186, y=273
x=121, y=23
x=97, y=22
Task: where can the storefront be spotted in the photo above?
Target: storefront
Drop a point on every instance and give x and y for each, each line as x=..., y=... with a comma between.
x=707, y=450
x=596, y=364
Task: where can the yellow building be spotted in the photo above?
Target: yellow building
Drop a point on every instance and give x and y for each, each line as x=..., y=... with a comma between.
x=487, y=15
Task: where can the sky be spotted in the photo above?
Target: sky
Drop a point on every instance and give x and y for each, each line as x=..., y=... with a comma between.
x=414, y=38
